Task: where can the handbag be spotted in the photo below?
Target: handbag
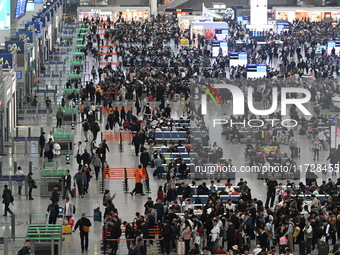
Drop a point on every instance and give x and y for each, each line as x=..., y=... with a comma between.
x=283, y=240
x=323, y=239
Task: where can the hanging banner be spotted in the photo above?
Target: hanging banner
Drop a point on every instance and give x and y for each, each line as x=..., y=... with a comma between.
x=25, y=35
x=19, y=46
x=6, y=60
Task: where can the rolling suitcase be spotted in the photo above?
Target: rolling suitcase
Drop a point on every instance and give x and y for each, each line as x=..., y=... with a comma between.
x=97, y=215
x=180, y=248
x=67, y=229
x=323, y=248
x=74, y=192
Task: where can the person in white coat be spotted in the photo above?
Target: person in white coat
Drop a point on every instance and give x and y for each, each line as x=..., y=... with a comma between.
x=215, y=235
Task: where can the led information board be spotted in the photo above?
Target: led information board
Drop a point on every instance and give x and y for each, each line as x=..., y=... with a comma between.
x=256, y=70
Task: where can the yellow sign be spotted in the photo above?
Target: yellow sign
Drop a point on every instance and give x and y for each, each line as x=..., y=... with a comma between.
x=184, y=42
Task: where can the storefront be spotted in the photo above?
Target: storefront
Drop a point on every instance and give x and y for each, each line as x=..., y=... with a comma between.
x=310, y=13
x=114, y=13
x=178, y=12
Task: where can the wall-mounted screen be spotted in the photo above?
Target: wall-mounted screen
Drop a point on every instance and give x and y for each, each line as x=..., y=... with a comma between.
x=256, y=70
x=335, y=45
x=20, y=9
x=30, y=7
x=238, y=58
x=5, y=14
x=221, y=34
x=219, y=47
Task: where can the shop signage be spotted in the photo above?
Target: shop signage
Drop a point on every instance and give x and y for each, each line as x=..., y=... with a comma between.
x=25, y=35
x=19, y=46
x=6, y=60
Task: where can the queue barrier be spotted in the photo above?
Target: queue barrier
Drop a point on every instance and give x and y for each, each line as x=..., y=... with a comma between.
x=107, y=110
x=69, y=110
x=70, y=91
x=50, y=178
x=117, y=136
x=46, y=239
x=123, y=174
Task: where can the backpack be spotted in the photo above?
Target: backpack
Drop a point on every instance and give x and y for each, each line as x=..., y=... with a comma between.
x=296, y=232
x=21, y=251
x=47, y=147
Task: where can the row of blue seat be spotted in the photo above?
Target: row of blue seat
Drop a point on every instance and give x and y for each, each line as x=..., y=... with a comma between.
x=170, y=135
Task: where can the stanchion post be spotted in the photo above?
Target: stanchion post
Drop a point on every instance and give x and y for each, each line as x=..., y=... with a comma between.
x=147, y=181
x=126, y=184
x=13, y=226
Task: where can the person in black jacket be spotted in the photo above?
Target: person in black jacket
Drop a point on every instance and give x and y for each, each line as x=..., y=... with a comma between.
x=167, y=235
x=159, y=207
x=84, y=225
x=144, y=158
x=129, y=234
x=67, y=182
x=110, y=120
x=136, y=142
x=116, y=117
x=95, y=129
x=86, y=128
x=55, y=195
x=42, y=141
x=133, y=249
x=7, y=198
x=115, y=233
x=53, y=210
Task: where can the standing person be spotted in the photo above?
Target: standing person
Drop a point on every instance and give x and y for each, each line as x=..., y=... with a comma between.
x=86, y=128
x=133, y=249
x=138, y=181
x=42, y=141
x=26, y=250
x=59, y=116
x=110, y=120
x=50, y=136
x=80, y=152
x=19, y=172
x=49, y=150
x=48, y=104
x=97, y=164
x=53, y=210
x=136, y=141
x=316, y=148
x=84, y=225
x=55, y=195
x=67, y=182
x=80, y=179
x=7, y=198
x=293, y=147
x=271, y=189
x=145, y=158
x=122, y=115
x=137, y=105
x=187, y=231
x=69, y=208
x=106, y=169
x=31, y=185
x=308, y=234
x=116, y=117
x=129, y=233
x=95, y=129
